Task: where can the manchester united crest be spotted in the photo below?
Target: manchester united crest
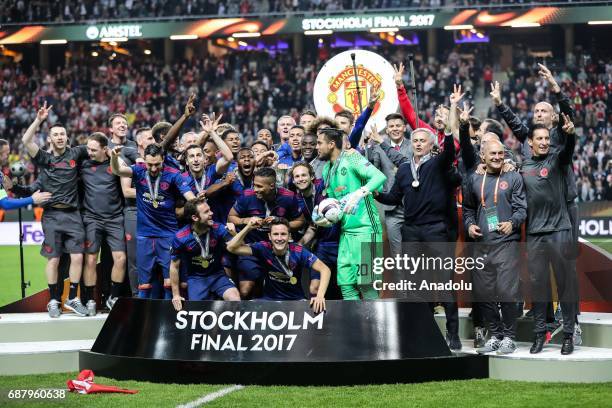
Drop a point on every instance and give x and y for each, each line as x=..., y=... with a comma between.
x=342, y=86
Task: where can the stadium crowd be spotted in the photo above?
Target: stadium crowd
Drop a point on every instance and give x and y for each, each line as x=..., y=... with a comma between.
x=192, y=210
x=588, y=83
x=21, y=11
x=252, y=90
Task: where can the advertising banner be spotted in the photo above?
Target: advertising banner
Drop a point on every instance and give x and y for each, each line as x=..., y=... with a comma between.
x=32, y=233
x=224, y=27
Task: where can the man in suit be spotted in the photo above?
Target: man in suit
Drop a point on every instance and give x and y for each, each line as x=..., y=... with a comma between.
x=394, y=214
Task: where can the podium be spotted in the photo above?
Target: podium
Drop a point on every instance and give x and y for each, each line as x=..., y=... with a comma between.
x=267, y=342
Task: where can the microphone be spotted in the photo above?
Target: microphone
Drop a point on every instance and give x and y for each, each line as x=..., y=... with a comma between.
x=353, y=56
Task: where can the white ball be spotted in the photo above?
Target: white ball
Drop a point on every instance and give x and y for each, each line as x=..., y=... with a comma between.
x=18, y=169
x=330, y=209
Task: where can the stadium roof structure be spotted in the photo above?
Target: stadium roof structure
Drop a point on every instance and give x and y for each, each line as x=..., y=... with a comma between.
x=241, y=27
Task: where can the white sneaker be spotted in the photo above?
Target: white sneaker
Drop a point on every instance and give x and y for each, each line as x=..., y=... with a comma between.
x=110, y=302
x=506, y=346
x=76, y=306
x=577, y=335
x=91, y=307
x=491, y=345
x=54, y=308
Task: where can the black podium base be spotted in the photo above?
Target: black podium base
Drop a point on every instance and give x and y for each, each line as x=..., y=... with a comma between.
x=412, y=370
x=259, y=342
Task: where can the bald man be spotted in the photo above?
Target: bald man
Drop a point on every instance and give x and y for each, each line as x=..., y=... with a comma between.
x=283, y=126
x=544, y=115
x=494, y=207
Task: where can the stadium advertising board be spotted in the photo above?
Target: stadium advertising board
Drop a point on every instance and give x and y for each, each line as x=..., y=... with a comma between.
x=32, y=233
x=224, y=27
x=593, y=223
x=336, y=89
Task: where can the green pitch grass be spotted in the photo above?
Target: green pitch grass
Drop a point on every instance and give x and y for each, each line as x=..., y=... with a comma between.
x=603, y=243
x=470, y=393
x=10, y=273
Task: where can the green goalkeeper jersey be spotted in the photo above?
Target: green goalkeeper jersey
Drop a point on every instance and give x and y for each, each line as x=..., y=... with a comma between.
x=351, y=172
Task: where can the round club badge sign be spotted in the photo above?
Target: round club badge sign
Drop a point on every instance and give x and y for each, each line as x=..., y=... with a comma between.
x=336, y=88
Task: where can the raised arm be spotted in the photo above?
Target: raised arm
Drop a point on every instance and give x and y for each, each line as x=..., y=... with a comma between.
x=405, y=104
x=514, y=123
x=448, y=155
x=360, y=124
x=118, y=166
x=236, y=245
x=28, y=136
x=563, y=100
x=453, y=117
x=567, y=151
x=176, y=127
x=468, y=153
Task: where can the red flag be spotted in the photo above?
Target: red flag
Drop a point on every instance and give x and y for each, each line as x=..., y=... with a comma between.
x=84, y=384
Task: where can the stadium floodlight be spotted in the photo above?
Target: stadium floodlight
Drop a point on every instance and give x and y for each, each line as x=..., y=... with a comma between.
x=147, y=52
x=246, y=35
x=318, y=32
x=94, y=53
x=459, y=27
x=525, y=25
x=599, y=22
x=184, y=37
x=51, y=42
x=113, y=39
x=384, y=30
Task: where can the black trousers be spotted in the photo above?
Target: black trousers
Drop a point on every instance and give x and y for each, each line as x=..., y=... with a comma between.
x=498, y=282
x=129, y=223
x=548, y=251
x=435, y=233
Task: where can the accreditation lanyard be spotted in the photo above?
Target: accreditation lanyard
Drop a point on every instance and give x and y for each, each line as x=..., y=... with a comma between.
x=490, y=213
x=482, y=196
x=200, y=186
x=153, y=191
x=204, y=248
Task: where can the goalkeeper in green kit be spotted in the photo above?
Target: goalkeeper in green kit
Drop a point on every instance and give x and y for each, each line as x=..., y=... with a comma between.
x=351, y=179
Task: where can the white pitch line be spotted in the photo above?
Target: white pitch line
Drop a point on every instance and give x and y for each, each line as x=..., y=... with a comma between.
x=211, y=397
